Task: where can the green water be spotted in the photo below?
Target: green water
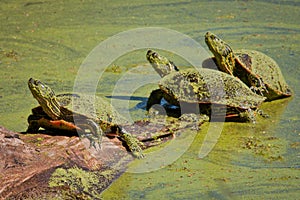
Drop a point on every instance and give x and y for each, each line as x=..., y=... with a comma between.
x=50, y=39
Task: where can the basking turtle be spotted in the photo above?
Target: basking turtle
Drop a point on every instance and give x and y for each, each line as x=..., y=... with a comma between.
x=202, y=87
x=258, y=71
x=75, y=112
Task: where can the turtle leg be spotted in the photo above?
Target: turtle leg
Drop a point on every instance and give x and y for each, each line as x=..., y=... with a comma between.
x=261, y=113
x=193, y=120
x=248, y=115
x=257, y=85
x=33, y=123
x=154, y=98
x=132, y=142
x=91, y=130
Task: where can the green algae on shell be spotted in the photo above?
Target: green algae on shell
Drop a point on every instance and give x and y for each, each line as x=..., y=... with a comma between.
x=208, y=86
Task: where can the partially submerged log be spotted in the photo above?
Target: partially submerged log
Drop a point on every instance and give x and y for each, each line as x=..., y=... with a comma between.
x=28, y=162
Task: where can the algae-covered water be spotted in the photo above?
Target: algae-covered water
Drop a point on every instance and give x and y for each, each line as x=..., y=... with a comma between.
x=50, y=40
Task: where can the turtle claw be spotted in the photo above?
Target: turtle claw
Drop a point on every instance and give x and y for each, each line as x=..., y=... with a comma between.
x=94, y=142
x=261, y=113
x=258, y=86
x=248, y=115
x=259, y=90
x=92, y=132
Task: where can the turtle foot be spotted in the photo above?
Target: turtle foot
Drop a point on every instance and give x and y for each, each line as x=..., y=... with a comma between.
x=95, y=142
x=248, y=116
x=133, y=144
x=193, y=120
x=259, y=87
x=261, y=113
x=92, y=132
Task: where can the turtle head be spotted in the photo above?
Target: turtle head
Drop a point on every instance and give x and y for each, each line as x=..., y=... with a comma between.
x=222, y=51
x=161, y=64
x=46, y=97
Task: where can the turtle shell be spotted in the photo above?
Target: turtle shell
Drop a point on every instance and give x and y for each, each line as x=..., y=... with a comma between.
x=205, y=86
x=253, y=66
x=88, y=106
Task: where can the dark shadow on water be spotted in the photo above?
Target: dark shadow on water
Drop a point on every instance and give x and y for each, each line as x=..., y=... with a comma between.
x=140, y=105
x=134, y=98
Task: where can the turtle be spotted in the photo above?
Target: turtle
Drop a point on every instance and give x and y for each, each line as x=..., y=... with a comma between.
x=257, y=70
x=203, y=87
x=88, y=115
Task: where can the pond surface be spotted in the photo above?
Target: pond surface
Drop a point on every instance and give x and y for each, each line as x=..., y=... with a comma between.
x=49, y=40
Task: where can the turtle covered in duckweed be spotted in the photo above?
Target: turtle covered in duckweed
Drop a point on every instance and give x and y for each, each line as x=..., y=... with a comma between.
x=87, y=115
x=257, y=70
x=202, y=87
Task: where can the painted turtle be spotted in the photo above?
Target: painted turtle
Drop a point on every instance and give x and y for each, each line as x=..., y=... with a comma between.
x=258, y=71
x=88, y=115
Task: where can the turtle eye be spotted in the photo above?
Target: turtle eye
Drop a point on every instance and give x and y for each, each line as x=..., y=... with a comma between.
x=215, y=38
x=38, y=83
